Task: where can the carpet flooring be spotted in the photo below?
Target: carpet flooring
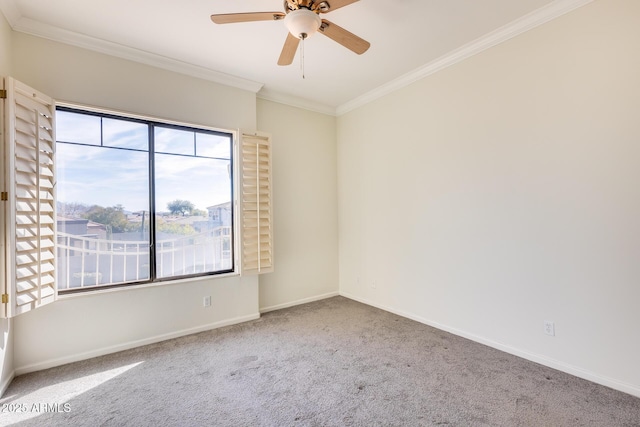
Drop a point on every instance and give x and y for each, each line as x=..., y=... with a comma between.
x=333, y=362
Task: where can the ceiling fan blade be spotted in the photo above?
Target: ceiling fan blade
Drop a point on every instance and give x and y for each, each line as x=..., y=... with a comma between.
x=337, y=4
x=288, y=50
x=231, y=18
x=344, y=37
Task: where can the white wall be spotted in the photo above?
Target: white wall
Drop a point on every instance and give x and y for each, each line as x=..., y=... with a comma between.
x=87, y=325
x=503, y=192
x=6, y=329
x=305, y=205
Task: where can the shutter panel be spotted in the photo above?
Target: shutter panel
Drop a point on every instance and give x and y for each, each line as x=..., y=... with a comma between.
x=256, y=205
x=30, y=208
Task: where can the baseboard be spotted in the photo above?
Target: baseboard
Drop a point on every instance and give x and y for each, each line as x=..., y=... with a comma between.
x=298, y=302
x=5, y=384
x=533, y=357
x=131, y=344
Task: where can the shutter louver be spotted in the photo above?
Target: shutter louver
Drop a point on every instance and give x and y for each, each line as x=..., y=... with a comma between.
x=31, y=220
x=256, y=205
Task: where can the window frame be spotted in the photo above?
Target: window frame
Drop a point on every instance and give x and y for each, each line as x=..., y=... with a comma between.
x=152, y=123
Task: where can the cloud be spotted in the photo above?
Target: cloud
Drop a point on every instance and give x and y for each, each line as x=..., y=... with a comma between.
x=103, y=176
x=106, y=162
x=204, y=182
x=108, y=176
x=80, y=128
x=125, y=134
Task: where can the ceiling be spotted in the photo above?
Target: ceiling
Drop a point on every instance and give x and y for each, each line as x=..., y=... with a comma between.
x=408, y=39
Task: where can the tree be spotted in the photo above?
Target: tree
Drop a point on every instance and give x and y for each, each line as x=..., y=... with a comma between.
x=172, y=228
x=180, y=207
x=112, y=216
x=72, y=209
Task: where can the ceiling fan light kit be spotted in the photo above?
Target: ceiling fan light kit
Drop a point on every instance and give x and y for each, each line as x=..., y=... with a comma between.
x=302, y=23
x=302, y=19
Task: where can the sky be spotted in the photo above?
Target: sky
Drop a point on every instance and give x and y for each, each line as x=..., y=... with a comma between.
x=111, y=167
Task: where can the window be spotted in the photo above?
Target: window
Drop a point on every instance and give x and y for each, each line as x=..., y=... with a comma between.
x=93, y=200
x=140, y=200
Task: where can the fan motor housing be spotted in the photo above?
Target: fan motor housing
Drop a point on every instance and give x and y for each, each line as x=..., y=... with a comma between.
x=315, y=6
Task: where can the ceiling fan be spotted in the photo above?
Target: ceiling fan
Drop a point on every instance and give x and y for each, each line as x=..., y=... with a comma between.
x=302, y=19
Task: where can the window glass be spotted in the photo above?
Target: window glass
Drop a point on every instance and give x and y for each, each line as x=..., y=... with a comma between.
x=174, y=141
x=78, y=128
x=211, y=145
x=102, y=201
x=193, y=227
x=125, y=134
x=108, y=230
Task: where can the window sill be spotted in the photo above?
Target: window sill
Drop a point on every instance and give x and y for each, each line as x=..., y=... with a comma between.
x=88, y=293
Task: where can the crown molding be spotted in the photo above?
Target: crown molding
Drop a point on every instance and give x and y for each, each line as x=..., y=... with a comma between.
x=39, y=29
x=534, y=19
x=528, y=22
x=294, y=101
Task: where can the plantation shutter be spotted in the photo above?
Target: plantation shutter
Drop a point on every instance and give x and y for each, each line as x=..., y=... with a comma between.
x=29, y=209
x=256, y=205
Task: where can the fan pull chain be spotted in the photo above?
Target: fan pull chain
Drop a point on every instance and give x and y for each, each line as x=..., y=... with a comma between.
x=303, y=36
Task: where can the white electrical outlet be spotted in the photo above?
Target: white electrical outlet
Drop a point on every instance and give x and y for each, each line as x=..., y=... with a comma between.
x=549, y=328
x=206, y=302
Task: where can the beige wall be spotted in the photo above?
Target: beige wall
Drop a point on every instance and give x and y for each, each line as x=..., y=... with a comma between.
x=5, y=46
x=484, y=199
x=86, y=325
x=68, y=73
x=305, y=205
x=503, y=192
x=6, y=332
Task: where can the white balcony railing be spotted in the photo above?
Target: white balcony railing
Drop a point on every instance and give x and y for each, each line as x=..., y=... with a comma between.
x=84, y=261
